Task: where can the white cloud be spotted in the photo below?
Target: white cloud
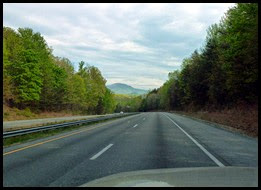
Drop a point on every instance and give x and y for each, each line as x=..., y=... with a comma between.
x=173, y=61
x=127, y=46
x=179, y=26
x=112, y=36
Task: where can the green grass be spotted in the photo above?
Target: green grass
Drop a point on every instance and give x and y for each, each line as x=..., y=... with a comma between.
x=13, y=114
x=41, y=125
x=33, y=136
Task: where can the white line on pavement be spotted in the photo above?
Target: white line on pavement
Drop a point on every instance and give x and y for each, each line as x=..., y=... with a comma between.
x=102, y=151
x=199, y=145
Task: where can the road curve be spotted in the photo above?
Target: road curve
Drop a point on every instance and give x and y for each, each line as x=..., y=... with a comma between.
x=144, y=141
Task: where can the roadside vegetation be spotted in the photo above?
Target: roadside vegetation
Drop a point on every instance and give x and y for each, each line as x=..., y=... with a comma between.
x=36, y=81
x=12, y=114
x=241, y=118
x=127, y=103
x=218, y=82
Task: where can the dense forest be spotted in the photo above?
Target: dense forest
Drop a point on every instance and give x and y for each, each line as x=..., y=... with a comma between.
x=33, y=78
x=223, y=73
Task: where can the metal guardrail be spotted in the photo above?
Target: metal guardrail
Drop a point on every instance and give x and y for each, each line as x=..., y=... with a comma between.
x=55, y=126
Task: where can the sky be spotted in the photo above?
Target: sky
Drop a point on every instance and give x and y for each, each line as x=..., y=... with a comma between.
x=135, y=44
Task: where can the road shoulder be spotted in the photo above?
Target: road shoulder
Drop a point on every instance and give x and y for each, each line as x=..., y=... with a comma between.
x=217, y=125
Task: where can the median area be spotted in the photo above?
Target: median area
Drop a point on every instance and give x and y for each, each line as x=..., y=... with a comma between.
x=31, y=133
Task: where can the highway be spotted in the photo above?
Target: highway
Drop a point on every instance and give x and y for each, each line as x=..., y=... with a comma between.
x=145, y=141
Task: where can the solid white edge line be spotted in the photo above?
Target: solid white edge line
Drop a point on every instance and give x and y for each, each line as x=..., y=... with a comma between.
x=135, y=125
x=199, y=145
x=102, y=151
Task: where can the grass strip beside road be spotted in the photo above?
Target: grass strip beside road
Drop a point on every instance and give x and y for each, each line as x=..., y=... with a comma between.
x=33, y=136
x=44, y=124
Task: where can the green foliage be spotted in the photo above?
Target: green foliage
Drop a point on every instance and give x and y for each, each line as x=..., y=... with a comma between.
x=95, y=87
x=26, y=76
x=241, y=51
x=7, y=85
x=223, y=73
x=26, y=112
x=76, y=90
x=34, y=77
x=11, y=54
x=127, y=103
x=109, y=101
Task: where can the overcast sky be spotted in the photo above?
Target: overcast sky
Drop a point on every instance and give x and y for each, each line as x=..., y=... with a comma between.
x=135, y=44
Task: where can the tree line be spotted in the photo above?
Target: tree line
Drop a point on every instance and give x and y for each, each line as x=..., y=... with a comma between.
x=221, y=74
x=34, y=78
x=127, y=103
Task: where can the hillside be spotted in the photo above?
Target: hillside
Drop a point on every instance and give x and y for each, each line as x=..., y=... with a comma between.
x=119, y=88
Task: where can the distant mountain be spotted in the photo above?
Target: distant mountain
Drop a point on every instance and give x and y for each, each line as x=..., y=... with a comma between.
x=119, y=88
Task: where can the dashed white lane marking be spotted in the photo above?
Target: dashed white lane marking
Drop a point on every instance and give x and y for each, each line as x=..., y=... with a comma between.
x=135, y=125
x=199, y=145
x=102, y=151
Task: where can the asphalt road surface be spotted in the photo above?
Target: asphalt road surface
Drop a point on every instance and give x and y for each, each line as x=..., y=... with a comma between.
x=144, y=141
